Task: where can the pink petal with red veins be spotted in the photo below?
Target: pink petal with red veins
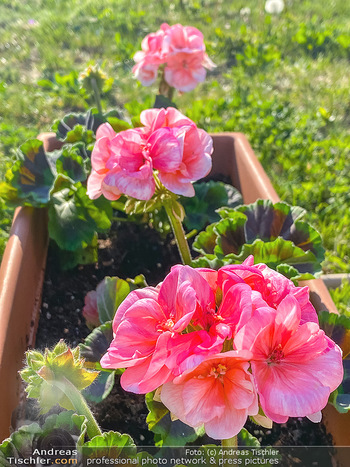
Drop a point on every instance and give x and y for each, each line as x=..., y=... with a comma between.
x=110, y=192
x=236, y=306
x=210, y=276
x=327, y=367
x=135, y=379
x=306, y=343
x=153, y=119
x=199, y=74
x=203, y=400
x=139, y=185
x=170, y=286
x=127, y=147
x=258, y=335
x=308, y=312
x=165, y=150
x=287, y=318
x=289, y=390
x=181, y=79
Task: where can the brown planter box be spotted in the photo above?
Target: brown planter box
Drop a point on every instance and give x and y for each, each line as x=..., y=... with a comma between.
x=22, y=272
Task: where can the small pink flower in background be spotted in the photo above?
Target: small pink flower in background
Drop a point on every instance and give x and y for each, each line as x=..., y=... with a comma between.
x=186, y=60
x=218, y=393
x=149, y=58
x=90, y=310
x=169, y=142
x=181, y=49
x=295, y=366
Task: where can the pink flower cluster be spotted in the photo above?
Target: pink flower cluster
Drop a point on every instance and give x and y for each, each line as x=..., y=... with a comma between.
x=168, y=142
x=221, y=343
x=181, y=49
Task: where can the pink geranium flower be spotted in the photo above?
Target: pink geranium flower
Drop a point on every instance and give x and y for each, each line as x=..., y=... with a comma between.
x=196, y=160
x=169, y=142
x=136, y=155
x=218, y=393
x=150, y=57
x=186, y=60
x=295, y=366
x=182, y=49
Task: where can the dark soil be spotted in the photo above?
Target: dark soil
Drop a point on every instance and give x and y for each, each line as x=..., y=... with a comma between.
x=133, y=249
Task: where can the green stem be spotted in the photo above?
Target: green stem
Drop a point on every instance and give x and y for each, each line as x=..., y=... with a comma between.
x=179, y=234
x=230, y=443
x=96, y=95
x=165, y=89
x=79, y=404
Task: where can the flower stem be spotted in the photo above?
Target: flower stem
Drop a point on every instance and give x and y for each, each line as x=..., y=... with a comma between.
x=79, y=404
x=165, y=89
x=96, y=95
x=180, y=237
x=230, y=443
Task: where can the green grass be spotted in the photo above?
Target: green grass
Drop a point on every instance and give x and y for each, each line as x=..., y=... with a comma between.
x=282, y=80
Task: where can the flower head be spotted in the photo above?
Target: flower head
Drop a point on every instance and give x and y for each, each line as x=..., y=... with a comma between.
x=181, y=49
x=219, y=342
x=169, y=143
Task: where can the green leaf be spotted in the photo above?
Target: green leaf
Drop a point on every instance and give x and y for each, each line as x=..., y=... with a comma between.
x=162, y=101
x=118, y=125
x=230, y=235
x=74, y=218
x=87, y=124
x=111, y=445
x=278, y=252
x=246, y=439
x=69, y=224
x=97, y=343
x=72, y=162
x=272, y=233
x=208, y=261
x=100, y=388
x=87, y=255
x=201, y=209
x=33, y=175
x=205, y=242
x=19, y=443
x=110, y=294
x=167, y=431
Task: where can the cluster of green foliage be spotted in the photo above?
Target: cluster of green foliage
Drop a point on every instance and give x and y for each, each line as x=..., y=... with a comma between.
x=273, y=233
